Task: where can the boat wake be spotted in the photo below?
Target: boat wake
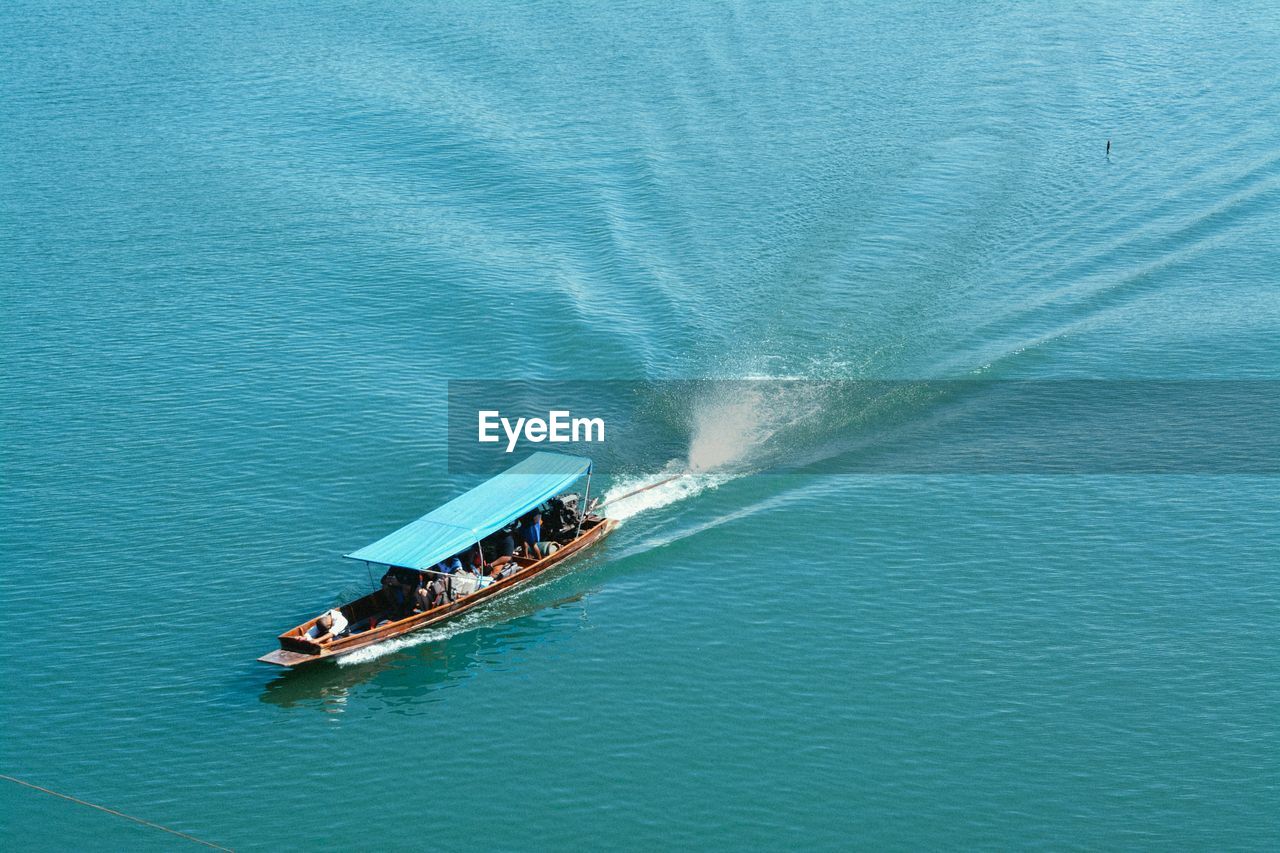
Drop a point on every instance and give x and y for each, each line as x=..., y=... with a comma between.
x=478, y=618
x=675, y=482
x=388, y=647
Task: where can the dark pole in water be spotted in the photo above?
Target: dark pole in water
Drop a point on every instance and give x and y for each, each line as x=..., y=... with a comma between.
x=638, y=491
x=1108, y=147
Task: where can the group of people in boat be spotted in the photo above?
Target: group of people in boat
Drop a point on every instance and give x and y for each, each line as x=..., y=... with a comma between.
x=407, y=591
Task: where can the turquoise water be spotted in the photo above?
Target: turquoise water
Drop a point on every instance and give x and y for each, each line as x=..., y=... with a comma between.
x=244, y=245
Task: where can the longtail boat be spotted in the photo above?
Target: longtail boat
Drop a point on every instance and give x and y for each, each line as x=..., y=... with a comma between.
x=454, y=528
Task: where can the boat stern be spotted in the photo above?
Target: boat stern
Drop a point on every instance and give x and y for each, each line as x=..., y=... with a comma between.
x=284, y=657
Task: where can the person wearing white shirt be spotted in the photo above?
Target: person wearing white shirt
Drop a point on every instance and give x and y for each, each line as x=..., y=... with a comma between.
x=329, y=625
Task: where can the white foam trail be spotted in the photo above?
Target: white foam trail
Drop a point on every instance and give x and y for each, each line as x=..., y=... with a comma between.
x=478, y=618
x=686, y=485
x=664, y=540
x=387, y=647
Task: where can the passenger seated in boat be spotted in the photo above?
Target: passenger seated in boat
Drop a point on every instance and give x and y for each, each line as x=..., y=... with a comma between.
x=395, y=591
x=441, y=592
x=498, y=572
x=504, y=546
x=464, y=582
x=421, y=594
x=487, y=573
x=531, y=535
x=449, y=566
x=329, y=625
x=431, y=592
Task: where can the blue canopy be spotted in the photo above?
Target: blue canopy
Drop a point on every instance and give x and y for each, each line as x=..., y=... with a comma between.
x=470, y=517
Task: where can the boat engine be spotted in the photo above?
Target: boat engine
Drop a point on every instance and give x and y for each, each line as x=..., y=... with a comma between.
x=561, y=517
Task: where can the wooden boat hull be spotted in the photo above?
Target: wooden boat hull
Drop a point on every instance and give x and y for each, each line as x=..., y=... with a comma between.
x=297, y=651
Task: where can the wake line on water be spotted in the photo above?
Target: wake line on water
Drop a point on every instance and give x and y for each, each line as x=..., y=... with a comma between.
x=467, y=622
x=665, y=540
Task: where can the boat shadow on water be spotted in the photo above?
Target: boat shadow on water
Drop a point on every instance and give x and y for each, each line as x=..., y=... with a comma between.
x=415, y=669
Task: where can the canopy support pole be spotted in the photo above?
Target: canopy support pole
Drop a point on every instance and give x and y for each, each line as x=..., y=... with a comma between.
x=586, y=502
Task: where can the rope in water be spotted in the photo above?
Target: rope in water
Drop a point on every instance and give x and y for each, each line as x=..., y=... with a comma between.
x=119, y=814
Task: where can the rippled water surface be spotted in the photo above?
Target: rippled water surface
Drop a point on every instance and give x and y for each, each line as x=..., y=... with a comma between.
x=244, y=245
